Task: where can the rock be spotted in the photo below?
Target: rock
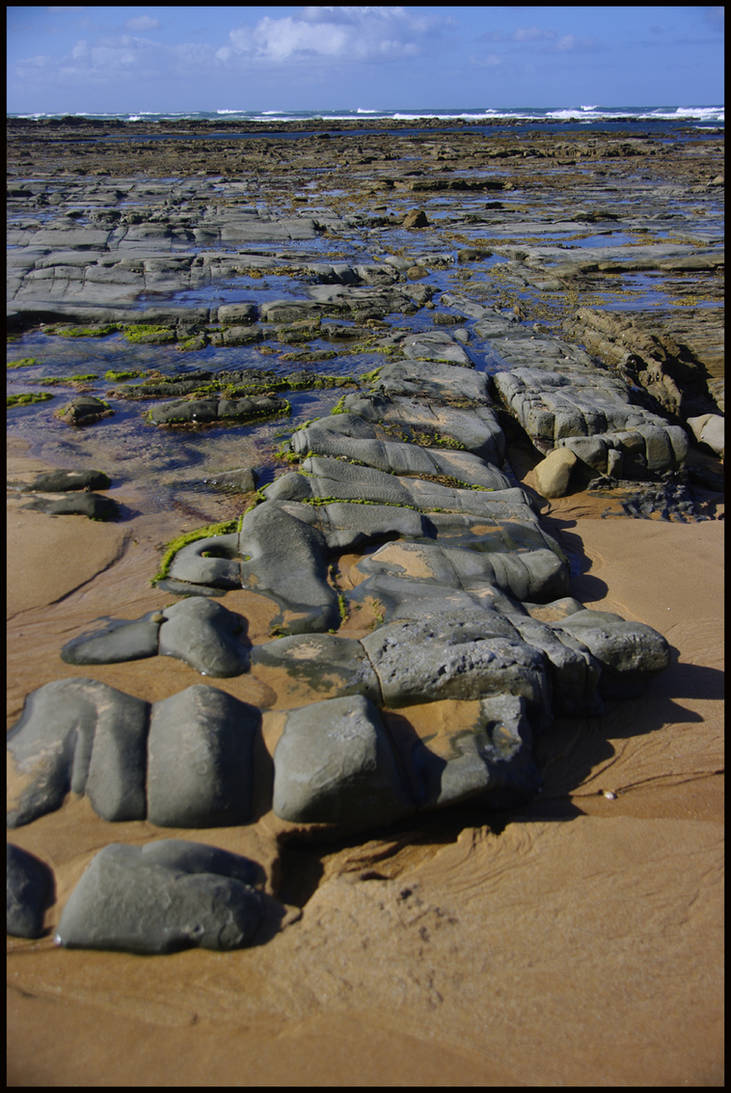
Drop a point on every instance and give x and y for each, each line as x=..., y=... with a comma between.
x=435, y=345
x=466, y=656
x=709, y=429
x=554, y=472
x=416, y=218
x=30, y=890
x=182, y=762
x=334, y=763
x=80, y=735
x=91, y=505
x=434, y=380
x=119, y=640
x=270, y=539
x=84, y=410
x=206, y=636
x=199, y=759
x=627, y=651
x=203, y=411
x=59, y=481
x=324, y=661
x=238, y=314
x=487, y=757
x=214, y=561
x=161, y=898
x=241, y=480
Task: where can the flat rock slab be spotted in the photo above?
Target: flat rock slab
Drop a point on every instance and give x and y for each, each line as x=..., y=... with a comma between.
x=161, y=898
x=396, y=457
x=446, y=382
x=325, y=662
x=204, y=411
x=513, y=556
x=474, y=430
x=30, y=891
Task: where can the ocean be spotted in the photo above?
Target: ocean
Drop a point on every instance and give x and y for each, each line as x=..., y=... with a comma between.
x=567, y=117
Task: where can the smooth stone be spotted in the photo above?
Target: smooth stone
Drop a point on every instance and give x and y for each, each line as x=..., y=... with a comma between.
x=157, y=899
x=206, y=636
x=84, y=410
x=270, y=540
x=119, y=640
x=709, y=429
x=200, y=755
x=30, y=891
x=334, y=763
x=214, y=561
x=627, y=651
x=80, y=735
x=553, y=473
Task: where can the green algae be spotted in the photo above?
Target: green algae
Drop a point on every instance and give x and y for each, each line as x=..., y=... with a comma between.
x=23, y=362
x=148, y=334
x=227, y=527
x=27, y=398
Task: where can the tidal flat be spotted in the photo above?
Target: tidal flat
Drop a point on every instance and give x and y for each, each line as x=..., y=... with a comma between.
x=383, y=388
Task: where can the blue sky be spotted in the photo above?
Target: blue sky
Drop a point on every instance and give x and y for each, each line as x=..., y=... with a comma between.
x=126, y=59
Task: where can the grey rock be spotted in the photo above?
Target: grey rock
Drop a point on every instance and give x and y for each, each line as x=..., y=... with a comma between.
x=334, y=763
x=490, y=762
x=474, y=430
x=54, y=742
x=206, y=636
x=324, y=661
x=159, y=899
x=435, y=345
x=213, y=561
x=241, y=480
x=399, y=458
x=92, y=505
x=425, y=379
x=350, y=526
x=84, y=410
x=463, y=657
x=200, y=755
x=119, y=640
x=30, y=890
x=58, y=481
x=269, y=541
x=627, y=651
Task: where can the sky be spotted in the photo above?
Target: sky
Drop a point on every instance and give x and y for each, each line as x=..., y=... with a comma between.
x=125, y=59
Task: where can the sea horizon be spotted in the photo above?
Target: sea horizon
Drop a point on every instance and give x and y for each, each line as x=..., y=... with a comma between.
x=702, y=115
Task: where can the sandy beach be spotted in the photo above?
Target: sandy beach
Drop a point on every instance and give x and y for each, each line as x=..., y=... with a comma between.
x=577, y=940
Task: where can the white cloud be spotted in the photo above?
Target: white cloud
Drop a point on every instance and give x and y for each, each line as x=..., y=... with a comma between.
x=143, y=22
x=336, y=33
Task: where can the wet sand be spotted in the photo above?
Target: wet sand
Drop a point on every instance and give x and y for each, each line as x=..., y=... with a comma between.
x=577, y=943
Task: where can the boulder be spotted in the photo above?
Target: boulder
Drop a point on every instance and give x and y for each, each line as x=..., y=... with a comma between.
x=553, y=473
x=30, y=890
x=160, y=898
x=199, y=759
x=334, y=763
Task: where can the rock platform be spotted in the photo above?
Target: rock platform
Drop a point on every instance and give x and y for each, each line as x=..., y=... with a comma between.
x=409, y=478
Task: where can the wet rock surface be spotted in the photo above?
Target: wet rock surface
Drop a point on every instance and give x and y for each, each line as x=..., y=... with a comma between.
x=460, y=331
